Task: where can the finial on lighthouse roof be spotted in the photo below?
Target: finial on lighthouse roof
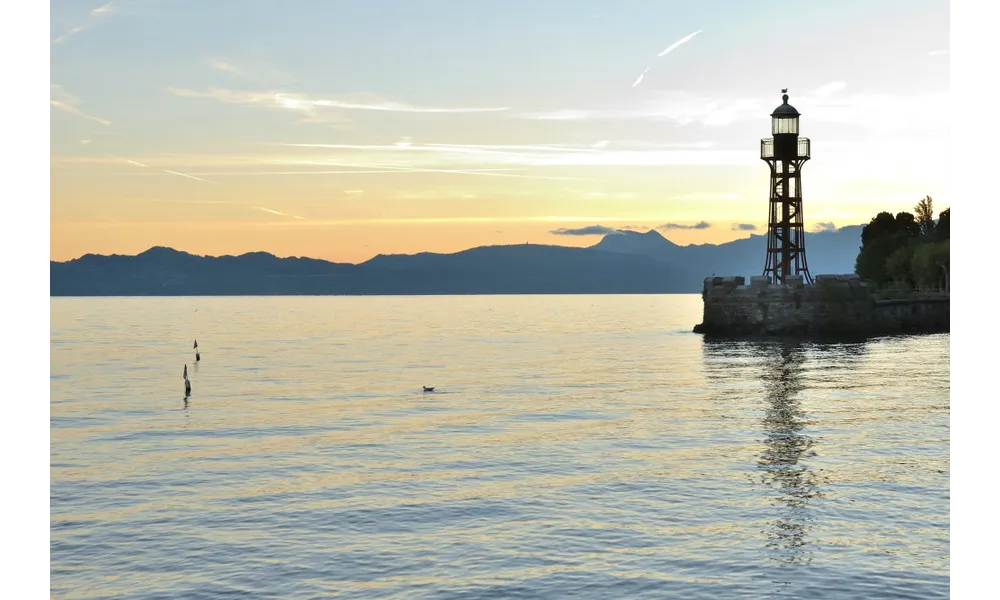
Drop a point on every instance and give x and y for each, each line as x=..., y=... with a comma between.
x=785, y=110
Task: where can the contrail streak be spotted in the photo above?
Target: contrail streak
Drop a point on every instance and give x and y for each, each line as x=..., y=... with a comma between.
x=138, y=164
x=278, y=212
x=639, y=80
x=678, y=43
x=186, y=175
x=667, y=50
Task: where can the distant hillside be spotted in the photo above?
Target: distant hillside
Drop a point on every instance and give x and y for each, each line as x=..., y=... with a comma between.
x=826, y=251
x=521, y=269
x=621, y=263
x=165, y=271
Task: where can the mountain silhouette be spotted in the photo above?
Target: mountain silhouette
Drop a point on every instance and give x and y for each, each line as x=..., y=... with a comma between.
x=826, y=251
x=621, y=263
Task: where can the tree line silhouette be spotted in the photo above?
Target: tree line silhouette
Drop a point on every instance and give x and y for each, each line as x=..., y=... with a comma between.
x=907, y=251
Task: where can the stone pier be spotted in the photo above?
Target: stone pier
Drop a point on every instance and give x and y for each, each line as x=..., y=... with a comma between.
x=833, y=306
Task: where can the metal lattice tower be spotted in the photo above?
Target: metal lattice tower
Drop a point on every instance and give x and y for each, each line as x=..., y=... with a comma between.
x=785, y=153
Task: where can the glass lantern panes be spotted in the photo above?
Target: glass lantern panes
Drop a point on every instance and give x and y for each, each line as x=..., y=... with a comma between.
x=784, y=125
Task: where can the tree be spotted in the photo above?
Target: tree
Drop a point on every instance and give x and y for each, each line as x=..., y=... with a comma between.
x=925, y=215
x=905, y=250
x=882, y=225
x=906, y=223
x=943, y=229
x=899, y=266
x=931, y=264
x=881, y=239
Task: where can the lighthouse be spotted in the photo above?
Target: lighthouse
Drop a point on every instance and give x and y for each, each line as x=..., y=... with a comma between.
x=785, y=153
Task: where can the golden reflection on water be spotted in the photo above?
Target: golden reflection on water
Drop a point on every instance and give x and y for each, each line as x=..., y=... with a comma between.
x=573, y=441
x=785, y=445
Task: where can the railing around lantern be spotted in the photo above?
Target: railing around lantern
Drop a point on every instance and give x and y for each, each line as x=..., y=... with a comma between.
x=804, y=147
x=767, y=148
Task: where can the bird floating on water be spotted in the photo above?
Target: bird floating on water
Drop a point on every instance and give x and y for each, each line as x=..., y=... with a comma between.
x=428, y=389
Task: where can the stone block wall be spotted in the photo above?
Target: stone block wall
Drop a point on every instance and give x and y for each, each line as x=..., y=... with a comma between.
x=834, y=305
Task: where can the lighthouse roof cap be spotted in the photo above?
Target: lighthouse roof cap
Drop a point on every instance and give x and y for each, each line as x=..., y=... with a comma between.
x=786, y=109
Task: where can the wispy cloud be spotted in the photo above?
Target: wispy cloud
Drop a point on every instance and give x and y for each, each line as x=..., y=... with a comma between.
x=505, y=161
x=666, y=51
x=826, y=104
x=222, y=65
x=327, y=110
x=416, y=155
x=744, y=227
x=449, y=220
x=261, y=73
x=824, y=226
x=104, y=9
x=937, y=52
x=97, y=13
x=609, y=195
x=63, y=100
x=138, y=164
x=219, y=202
x=278, y=212
x=188, y=201
x=669, y=226
x=589, y=230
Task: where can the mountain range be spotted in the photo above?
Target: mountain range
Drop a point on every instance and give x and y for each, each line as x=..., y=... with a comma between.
x=623, y=262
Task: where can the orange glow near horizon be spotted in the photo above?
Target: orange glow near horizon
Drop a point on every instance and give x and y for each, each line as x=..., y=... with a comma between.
x=281, y=151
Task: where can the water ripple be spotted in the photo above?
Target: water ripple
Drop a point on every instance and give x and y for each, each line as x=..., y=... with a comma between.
x=576, y=446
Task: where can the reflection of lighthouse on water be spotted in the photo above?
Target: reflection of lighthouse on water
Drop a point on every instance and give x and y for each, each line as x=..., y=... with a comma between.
x=784, y=446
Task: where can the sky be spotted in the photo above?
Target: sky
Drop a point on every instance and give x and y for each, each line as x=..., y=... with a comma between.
x=344, y=129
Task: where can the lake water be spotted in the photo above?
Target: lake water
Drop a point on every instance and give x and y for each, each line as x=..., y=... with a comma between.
x=575, y=447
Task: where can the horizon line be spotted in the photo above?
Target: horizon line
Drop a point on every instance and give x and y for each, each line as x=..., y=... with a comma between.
x=617, y=232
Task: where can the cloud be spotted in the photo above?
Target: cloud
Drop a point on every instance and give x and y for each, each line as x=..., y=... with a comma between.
x=259, y=73
x=97, y=13
x=132, y=162
x=829, y=103
x=222, y=65
x=65, y=101
x=504, y=161
x=104, y=9
x=609, y=195
x=744, y=227
x=416, y=155
x=937, y=52
x=326, y=110
x=459, y=220
x=698, y=225
x=589, y=230
x=824, y=226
